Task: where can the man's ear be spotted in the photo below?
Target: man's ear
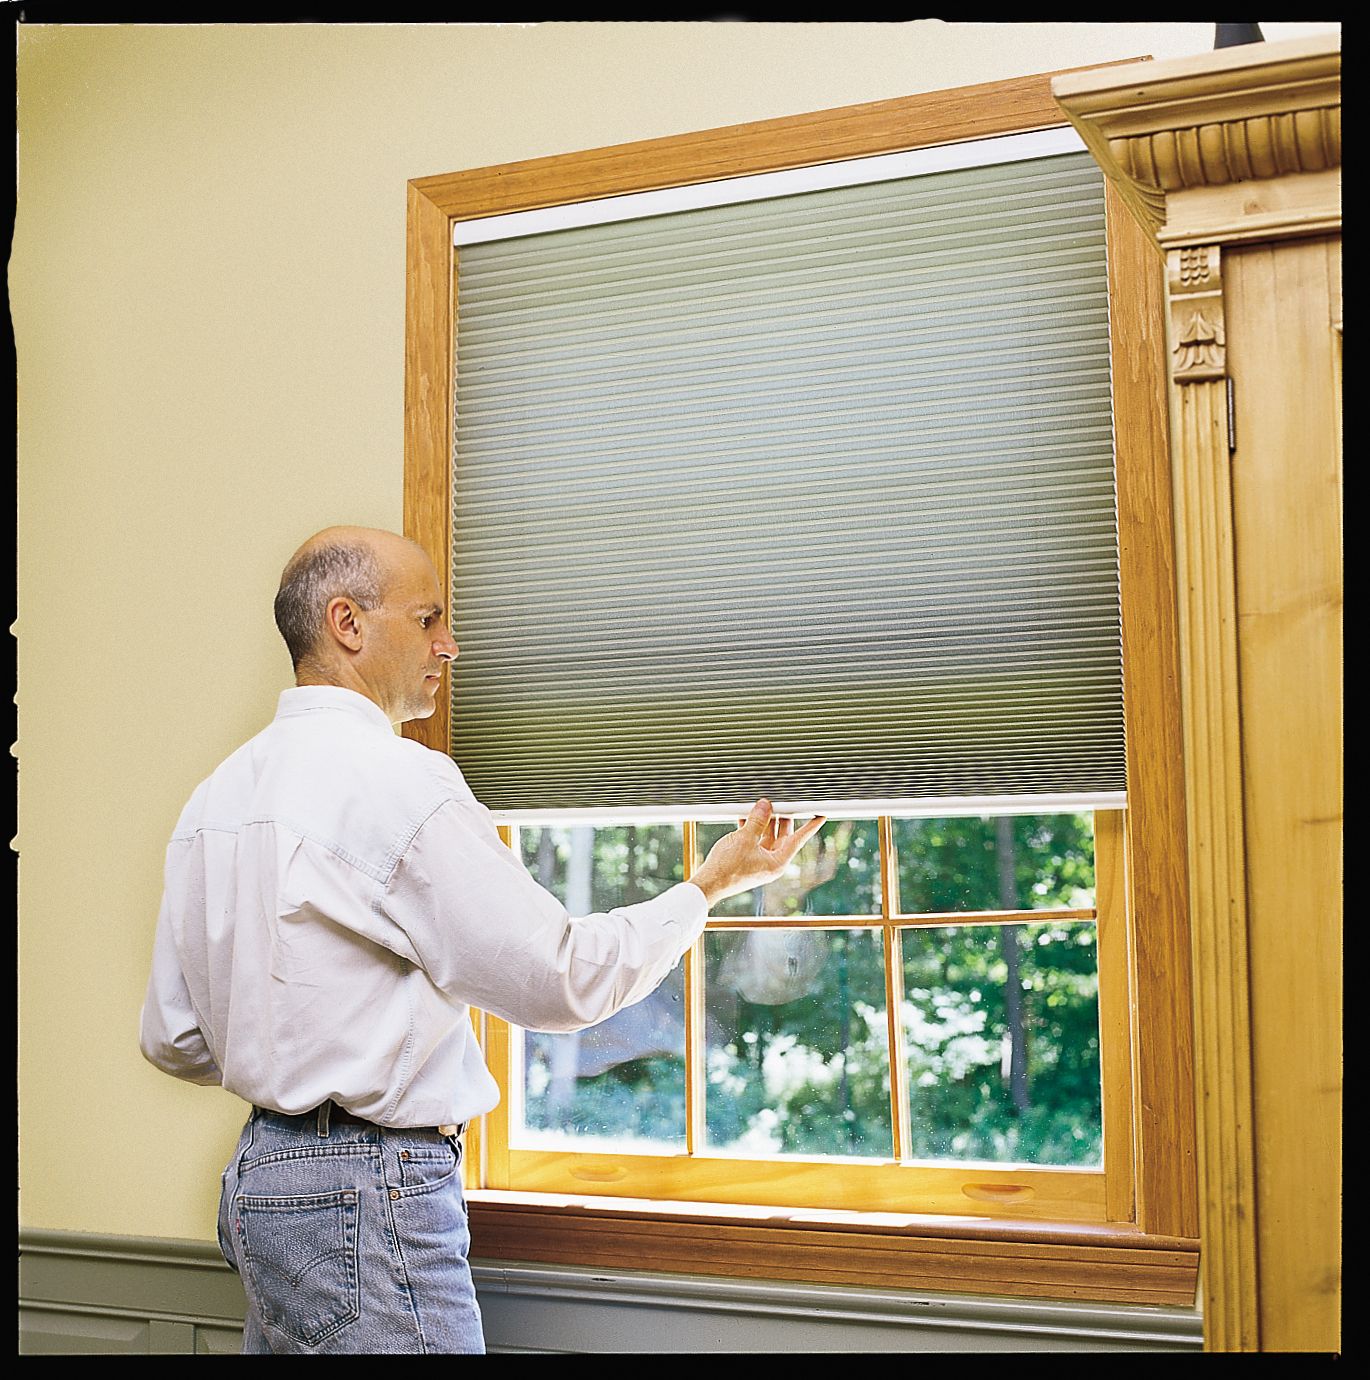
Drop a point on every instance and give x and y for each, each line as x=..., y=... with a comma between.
x=342, y=623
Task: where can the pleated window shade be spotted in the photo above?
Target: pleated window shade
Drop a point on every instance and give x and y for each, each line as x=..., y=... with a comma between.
x=809, y=497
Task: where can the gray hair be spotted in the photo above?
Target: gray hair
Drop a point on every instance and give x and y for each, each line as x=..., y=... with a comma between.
x=312, y=580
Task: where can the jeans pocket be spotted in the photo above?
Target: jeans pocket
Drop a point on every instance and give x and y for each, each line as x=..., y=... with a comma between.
x=299, y=1254
x=428, y=1167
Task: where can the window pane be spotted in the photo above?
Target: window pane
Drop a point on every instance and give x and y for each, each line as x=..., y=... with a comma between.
x=838, y=873
x=619, y=1085
x=622, y=1081
x=1002, y=1030
x=1008, y=862
x=796, y=1042
x=590, y=870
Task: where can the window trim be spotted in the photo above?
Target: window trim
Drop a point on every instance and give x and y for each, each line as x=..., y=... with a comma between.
x=1149, y=1248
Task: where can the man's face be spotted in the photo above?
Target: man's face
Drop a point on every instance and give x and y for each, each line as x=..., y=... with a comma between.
x=408, y=643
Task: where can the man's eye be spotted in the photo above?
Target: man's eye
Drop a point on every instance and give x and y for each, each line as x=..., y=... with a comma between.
x=426, y=619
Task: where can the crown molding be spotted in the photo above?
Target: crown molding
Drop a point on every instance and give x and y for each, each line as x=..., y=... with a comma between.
x=1239, y=144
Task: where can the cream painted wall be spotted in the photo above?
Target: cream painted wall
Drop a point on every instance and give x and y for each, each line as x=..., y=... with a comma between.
x=207, y=286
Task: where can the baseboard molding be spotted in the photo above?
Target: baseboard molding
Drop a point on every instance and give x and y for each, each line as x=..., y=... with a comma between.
x=84, y=1292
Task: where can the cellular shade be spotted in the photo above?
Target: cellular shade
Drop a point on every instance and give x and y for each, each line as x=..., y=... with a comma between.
x=809, y=497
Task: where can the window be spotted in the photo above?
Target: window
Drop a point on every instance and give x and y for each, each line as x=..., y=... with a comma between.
x=1134, y=1239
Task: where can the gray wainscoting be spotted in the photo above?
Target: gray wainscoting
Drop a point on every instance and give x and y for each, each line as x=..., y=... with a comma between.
x=81, y=1292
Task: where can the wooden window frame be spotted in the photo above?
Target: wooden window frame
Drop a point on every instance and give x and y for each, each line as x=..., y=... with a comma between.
x=1145, y=1251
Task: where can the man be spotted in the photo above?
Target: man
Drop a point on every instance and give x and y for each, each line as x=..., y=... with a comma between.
x=335, y=901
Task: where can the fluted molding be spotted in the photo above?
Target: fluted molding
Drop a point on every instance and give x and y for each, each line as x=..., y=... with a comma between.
x=1237, y=150
x=1206, y=571
x=1240, y=144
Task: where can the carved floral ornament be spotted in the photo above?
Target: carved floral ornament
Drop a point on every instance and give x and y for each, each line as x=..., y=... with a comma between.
x=1198, y=330
x=1199, y=348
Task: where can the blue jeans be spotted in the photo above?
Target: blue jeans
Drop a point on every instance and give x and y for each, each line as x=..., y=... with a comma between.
x=350, y=1241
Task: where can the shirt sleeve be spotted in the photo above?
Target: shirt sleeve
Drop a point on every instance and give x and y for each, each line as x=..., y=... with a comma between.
x=169, y=1033
x=488, y=935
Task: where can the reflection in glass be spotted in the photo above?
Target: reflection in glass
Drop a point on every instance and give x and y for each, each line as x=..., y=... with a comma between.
x=837, y=873
x=796, y=1042
x=1002, y=1031
x=1005, y=862
x=621, y=1084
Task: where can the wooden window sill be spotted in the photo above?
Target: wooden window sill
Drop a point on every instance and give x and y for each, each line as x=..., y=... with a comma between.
x=961, y=1254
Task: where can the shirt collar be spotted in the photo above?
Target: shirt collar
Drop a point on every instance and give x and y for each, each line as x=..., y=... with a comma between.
x=305, y=699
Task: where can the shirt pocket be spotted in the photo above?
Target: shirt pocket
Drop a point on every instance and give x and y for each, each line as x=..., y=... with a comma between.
x=299, y=1253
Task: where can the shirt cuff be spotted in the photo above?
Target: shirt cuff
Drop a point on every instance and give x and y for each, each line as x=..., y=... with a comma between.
x=694, y=887
x=697, y=903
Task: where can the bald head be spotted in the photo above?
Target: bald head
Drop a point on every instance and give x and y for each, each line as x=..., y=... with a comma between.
x=355, y=563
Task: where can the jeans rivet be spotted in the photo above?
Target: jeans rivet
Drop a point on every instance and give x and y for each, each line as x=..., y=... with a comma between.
x=404, y=1154
x=394, y=1193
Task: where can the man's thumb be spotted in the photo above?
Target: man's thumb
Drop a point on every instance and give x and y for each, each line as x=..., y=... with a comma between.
x=761, y=812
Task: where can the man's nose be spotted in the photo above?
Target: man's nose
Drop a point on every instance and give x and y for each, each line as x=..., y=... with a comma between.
x=445, y=647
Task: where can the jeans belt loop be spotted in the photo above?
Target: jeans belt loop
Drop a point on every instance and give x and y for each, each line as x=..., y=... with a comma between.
x=325, y=1109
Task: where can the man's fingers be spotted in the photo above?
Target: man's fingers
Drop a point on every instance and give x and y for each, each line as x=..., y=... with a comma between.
x=759, y=818
x=776, y=834
x=796, y=841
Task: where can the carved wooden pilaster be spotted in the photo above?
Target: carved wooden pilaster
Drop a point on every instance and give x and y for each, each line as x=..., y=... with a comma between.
x=1206, y=570
x=1221, y=155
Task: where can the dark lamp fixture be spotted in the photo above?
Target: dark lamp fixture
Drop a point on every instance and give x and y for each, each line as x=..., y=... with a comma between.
x=1231, y=35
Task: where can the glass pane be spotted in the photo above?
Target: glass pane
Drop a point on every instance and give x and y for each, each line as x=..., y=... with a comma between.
x=617, y=1086
x=1008, y=862
x=1002, y=1030
x=837, y=873
x=590, y=870
x=796, y=1042
x=621, y=1084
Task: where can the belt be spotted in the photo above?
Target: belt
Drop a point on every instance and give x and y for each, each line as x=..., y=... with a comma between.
x=329, y=1112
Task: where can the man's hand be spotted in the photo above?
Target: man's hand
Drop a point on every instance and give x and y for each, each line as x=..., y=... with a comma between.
x=757, y=853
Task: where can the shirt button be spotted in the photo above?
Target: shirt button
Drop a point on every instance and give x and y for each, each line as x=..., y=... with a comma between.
x=394, y=1193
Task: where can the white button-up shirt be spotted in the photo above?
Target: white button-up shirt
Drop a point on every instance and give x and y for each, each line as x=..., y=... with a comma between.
x=336, y=900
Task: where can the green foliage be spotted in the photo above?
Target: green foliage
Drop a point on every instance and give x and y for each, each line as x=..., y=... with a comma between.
x=957, y=1029
x=953, y=864
x=639, y=1099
